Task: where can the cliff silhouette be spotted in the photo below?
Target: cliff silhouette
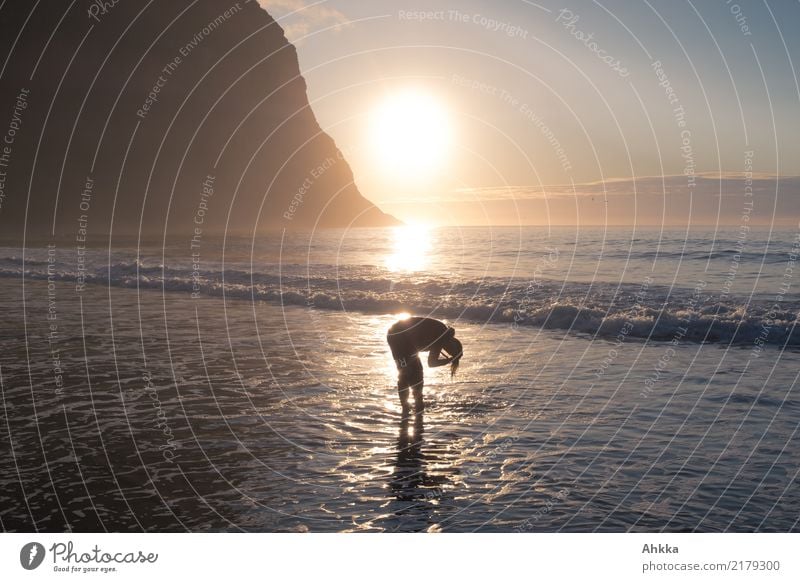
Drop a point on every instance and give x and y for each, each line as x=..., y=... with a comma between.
x=163, y=118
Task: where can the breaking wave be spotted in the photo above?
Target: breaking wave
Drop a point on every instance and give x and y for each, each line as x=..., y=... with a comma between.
x=599, y=309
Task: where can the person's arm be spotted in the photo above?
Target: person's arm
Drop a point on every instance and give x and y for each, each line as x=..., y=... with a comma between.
x=433, y=358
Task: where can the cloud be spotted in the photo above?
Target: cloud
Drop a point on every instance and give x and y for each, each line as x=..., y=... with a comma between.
x=299, y=18
x=707, y=184
x=731, y=199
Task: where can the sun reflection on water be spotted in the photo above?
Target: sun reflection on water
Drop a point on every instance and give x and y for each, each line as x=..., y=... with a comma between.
x=410, y=248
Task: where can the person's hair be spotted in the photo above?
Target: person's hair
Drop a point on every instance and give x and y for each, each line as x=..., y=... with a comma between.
x=455, y=349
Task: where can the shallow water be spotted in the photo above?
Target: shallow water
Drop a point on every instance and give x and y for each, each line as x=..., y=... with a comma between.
x=261, y=417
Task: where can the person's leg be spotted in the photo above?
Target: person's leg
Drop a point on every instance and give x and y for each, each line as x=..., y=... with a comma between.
x=403, y=383
x=419, y=403
x=416, y=381
x=400, y=352
x=402, y=391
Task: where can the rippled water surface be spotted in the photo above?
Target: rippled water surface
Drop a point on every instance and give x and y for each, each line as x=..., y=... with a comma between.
x=221, y=412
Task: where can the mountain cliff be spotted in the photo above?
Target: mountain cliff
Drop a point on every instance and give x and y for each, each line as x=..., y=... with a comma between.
x=165, y=117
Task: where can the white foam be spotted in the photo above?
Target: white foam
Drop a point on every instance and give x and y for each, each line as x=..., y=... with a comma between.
x=595, y=309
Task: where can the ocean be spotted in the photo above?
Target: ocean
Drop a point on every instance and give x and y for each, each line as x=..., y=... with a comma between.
x=613, y=379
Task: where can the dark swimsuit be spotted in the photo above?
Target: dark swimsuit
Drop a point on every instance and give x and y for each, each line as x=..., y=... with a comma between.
x=407, y=338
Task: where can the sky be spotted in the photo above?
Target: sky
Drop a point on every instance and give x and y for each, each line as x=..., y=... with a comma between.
x=586, y=112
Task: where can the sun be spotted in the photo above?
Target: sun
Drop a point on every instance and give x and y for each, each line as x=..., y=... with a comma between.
x=410, y=135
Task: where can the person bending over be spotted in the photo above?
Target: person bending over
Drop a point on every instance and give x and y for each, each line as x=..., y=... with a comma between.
x=407, y=338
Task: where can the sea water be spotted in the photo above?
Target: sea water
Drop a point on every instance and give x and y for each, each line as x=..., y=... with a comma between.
x=613, y=379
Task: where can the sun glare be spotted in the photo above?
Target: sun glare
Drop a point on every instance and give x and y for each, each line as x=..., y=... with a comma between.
x=411, y=135
x=410, y=248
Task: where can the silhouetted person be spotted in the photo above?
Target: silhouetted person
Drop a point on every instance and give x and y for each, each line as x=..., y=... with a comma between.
x=410, y=336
